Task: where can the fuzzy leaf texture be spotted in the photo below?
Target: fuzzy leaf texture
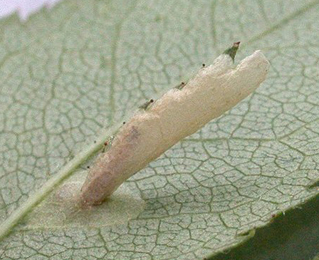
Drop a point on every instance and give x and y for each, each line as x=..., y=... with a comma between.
x=67, y=73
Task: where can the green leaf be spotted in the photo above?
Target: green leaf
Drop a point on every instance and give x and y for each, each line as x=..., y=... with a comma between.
x=67, y=74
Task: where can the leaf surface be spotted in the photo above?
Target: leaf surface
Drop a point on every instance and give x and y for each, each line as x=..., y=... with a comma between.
x=68, y=73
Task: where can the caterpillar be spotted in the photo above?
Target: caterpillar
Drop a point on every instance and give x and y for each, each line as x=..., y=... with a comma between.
x=160, y=124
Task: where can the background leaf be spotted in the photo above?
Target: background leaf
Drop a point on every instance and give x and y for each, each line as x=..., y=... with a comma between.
x=296, y=229
x=67, y=73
